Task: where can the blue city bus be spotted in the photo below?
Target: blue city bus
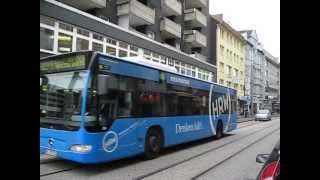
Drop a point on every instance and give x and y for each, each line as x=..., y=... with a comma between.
x=97, y=108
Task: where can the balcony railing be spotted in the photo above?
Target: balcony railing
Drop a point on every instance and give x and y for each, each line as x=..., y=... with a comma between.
x=86, y=4
x=195, y=38
x=171, y=7
x=196, y=3
x=139, y=13
x=195, y=18
x=170, y=29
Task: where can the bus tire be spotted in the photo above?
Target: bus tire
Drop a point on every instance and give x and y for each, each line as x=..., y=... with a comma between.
x=219, y=132
x=153, y=143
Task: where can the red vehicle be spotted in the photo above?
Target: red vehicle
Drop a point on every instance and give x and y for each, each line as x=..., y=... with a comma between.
x=271, y=167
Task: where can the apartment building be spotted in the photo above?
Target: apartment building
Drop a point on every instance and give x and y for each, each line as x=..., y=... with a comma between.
x=272, y=90
x=254, y=62
x=230, y=54
x=170, y=32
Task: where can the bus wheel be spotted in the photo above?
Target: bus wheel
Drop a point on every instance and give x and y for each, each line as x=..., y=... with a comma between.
x=153, y=143
x=219, y=130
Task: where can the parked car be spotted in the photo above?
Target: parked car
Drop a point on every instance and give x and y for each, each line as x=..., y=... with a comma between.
x=263, y=115
x=271, y=167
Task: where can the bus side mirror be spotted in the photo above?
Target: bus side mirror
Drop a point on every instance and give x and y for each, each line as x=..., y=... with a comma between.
x=103, y=84
x=262, y=158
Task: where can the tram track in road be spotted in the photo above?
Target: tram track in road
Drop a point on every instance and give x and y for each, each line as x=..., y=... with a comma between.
x=200, y=154
x=232, y=155
x=62, y=170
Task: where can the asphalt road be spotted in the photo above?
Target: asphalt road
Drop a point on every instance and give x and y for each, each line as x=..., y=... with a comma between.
x=230, y=158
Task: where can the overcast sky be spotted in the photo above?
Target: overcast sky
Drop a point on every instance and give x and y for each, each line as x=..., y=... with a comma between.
x=260, y=15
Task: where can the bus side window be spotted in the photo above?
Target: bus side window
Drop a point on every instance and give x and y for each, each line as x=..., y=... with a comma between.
x=108, y=108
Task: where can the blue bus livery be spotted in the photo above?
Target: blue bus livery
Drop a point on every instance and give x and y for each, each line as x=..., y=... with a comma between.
x=96, y=108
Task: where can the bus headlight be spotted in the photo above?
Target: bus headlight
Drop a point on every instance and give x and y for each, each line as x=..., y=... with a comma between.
x=81, y=148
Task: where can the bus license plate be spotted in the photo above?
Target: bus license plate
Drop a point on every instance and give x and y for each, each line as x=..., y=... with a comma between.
x=51, y=152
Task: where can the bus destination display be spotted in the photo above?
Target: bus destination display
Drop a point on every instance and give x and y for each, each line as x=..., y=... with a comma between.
x=63, y=64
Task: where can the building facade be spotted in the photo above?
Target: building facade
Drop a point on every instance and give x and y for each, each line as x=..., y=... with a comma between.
x=170, y=32
x=254, y=72
x=262, y=81
x=272, y=90
x=230, y=53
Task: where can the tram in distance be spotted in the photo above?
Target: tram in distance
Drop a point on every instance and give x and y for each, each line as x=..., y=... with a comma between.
x=97, y=108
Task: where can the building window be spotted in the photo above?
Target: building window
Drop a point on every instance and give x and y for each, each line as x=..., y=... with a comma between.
x=199, y=74
x=221, y=67
x=111, y=51
x=193, y=71
x=163, y=59
x=147, y=52
x=66, y=27
x=183, y=69
x=188, y=70
x=155, y=57
x=177, y=65
x=83, y=32
x=229, y=71
x=221, y=50
x=64, y=43
x=123, y=45
x=134, y=48
x=227, y=53
x=97, y=47
x=170, y=62
x=46, y=39
x=123, y=53
x=177, y=68
x=46, y=20
x=82, y=44
x=111, y=41
x=222, y=34
x=97, y=37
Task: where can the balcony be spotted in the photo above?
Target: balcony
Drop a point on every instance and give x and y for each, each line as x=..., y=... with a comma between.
x=86, y=4
x=171, y=7
x=194, y=18
x=139, y=14
x=196, y=3
x=170, y=29
x=198, y=56
x=195, y=38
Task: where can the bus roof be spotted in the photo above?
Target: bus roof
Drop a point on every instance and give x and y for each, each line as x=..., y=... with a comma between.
x=158, y=66
x=140, y=61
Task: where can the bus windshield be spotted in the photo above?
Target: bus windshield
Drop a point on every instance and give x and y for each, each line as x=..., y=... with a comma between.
x=60, y=99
